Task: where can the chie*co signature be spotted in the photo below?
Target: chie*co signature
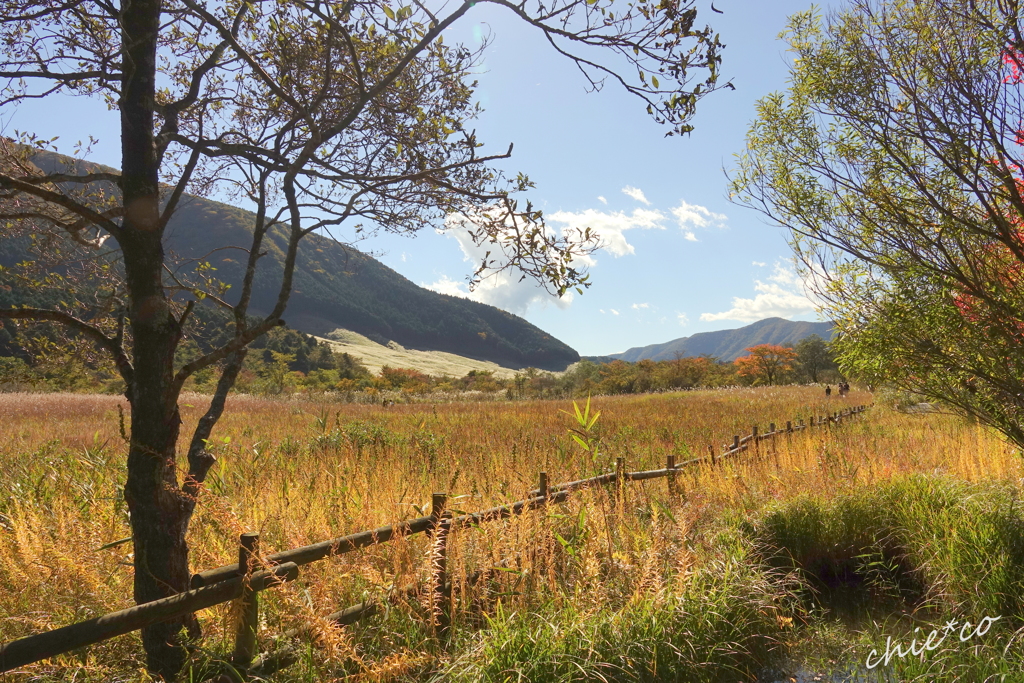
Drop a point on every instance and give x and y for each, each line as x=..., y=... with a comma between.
x=965, y=633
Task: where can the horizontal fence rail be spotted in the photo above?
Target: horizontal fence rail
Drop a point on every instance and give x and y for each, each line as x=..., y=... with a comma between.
x=239, y=581
x=43, y=645
x=319, y=551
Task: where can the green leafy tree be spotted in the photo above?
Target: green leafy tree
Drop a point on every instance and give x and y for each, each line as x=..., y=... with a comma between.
x=16, y=374
x=276, y=373
x=581, y=379
x=813, y=357
x=322, y=115
x=894, y=159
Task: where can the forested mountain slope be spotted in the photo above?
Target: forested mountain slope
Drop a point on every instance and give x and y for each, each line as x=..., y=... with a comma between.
x=337, y=286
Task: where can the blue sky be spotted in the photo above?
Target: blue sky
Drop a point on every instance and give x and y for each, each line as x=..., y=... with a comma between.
x=679, y=257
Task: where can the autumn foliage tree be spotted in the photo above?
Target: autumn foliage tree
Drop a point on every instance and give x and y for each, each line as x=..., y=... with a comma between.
x=343, y=116
x=766, y=364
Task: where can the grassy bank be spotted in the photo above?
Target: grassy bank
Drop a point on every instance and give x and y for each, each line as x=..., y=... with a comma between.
x=882, y=567
x=907, y=519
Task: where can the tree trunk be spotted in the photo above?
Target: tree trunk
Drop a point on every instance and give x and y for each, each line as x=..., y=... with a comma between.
x=159, y=514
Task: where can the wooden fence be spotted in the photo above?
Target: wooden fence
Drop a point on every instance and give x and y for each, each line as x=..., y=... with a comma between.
x=243, y=580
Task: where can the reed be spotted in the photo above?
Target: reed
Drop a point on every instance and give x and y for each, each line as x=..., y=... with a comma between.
x=608, y=586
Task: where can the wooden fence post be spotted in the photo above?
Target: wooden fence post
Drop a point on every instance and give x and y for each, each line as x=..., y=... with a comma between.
x=248, y=603
x=670, y=465
x=439, y=559
x=620, y=477
x=438, y=502
x=542, y=486
x=735, y=442
x=711, y=450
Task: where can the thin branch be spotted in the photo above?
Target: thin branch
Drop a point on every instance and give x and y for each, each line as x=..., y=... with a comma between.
x=97, y=219
x=200, y=460
x=223, y=352
x=113, y=346
x=68, y=178
x=179, y=187
x=63, y=78
x=232, y=40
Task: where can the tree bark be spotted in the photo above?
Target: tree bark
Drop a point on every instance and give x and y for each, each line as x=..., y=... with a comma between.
x=159, y=516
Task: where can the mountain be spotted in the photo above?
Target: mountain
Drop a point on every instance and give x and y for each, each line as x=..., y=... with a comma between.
x=337, y=286
x=727, y=345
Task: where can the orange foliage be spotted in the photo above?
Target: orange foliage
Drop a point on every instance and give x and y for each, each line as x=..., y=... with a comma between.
x=766, y=362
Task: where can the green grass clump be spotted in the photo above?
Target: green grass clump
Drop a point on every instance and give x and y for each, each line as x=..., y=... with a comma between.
x=725, y=624
x=959, y=544
x=910, y=554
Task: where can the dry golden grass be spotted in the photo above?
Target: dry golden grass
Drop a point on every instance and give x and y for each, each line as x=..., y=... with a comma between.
x=302, y=471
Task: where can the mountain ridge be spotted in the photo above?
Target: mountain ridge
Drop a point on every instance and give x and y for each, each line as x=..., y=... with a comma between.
x=335, y=286
x=727, y=345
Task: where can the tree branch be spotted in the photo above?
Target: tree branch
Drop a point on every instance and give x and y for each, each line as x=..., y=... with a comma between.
x=223, y=352
x=112, y=346
x=97, y=219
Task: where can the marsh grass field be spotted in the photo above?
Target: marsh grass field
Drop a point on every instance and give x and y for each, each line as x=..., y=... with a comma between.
x=805, y=558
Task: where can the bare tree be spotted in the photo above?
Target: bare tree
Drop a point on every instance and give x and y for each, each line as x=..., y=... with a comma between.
x=322, y=115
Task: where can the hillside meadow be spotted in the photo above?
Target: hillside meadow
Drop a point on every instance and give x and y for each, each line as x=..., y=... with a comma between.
x=804, y=558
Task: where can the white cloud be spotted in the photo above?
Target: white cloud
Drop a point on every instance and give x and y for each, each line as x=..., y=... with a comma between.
x=683, y=319
x=637, y=194
x=503, y=290
x=693, y=216
x=783, y=296
x=759, y=264
x=637, y=307
x=506, y=290
x=610, y=226
x=448, y=286
x=602, y=200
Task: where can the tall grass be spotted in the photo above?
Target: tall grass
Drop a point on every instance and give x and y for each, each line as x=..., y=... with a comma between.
x=919, y=551
x=645, y=586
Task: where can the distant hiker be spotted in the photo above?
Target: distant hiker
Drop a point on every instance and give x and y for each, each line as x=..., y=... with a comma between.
x=828, y=390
